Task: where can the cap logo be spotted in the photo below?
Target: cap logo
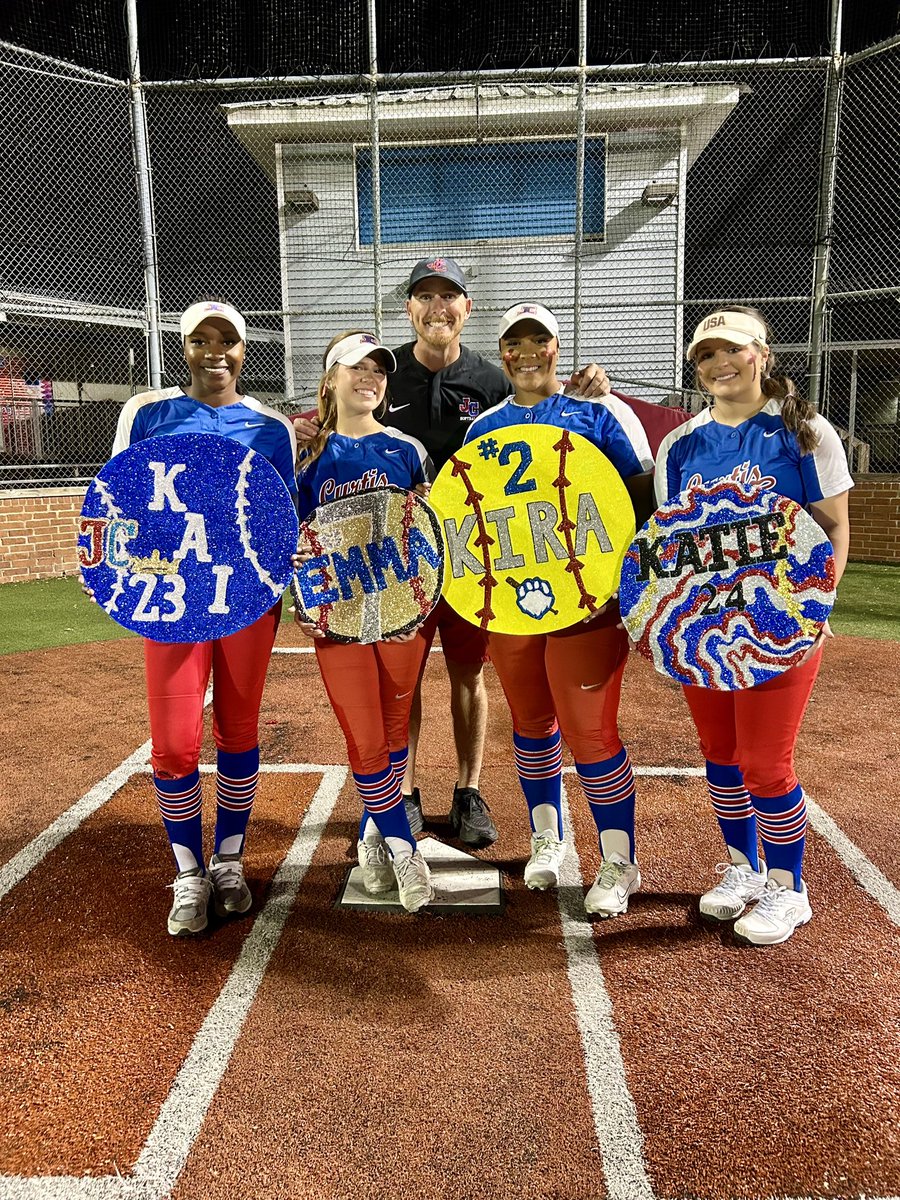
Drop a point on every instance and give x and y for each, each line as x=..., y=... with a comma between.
x=712, y=322
x=526, y=308
x=367, y=339
x=437, y=264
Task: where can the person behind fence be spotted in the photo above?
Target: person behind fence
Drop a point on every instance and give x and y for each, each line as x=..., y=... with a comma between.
x=757, y=429
x=370, y=687
x=214, y=343
x=567, y=684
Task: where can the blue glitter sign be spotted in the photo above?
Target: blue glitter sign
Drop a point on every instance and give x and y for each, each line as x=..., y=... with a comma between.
x=187, y=538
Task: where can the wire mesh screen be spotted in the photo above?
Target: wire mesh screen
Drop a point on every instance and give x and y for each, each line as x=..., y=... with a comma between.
x=630, y=199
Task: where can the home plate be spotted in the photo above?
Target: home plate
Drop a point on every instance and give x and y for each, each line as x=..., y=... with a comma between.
x=462, y=884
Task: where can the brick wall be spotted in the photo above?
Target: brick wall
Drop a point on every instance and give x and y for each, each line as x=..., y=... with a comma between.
x=37, y=528
x=38, y=533
x=875, y=519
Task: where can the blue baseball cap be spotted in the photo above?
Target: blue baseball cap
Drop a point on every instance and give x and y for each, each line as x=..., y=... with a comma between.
x=437, y=267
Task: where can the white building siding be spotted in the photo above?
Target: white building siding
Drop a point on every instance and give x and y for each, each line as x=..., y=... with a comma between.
x=329, y=278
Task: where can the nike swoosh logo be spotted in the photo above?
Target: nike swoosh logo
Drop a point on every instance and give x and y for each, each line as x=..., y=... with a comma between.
x=254, y=424
x=396, y=407
x=771, y=433
x=569, y=414
x=397, y=451
x=402, y=695
x=589, y=687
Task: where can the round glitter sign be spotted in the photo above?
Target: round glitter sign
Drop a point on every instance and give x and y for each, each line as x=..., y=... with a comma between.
x=187, y=538
x=727, y=586
x=536, y=521
x=377, y=565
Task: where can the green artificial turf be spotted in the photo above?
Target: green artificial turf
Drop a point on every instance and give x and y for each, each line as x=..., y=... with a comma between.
x=55, y=612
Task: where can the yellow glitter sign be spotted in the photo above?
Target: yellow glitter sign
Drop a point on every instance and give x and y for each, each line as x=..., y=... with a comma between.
x=536, y=522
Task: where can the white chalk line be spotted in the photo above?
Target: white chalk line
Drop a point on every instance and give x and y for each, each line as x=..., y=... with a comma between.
x=312, y=650
x=619, y=1136
x=183, y=1112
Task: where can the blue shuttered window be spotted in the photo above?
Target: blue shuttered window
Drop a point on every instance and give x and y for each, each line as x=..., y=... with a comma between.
x=494, y=190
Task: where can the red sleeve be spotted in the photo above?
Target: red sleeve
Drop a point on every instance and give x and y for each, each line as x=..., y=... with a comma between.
x=656, y=420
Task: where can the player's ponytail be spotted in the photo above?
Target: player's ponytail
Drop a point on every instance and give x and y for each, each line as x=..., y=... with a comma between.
x=327, y=405
x=796, y=411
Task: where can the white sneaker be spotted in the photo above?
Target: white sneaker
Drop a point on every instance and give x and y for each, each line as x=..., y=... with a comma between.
x=616, y=880
x=230, y=891
x=375, y=866
x=547, y=853
x=775, y=917
x=189, y=909
x=413, y=881
x=739, y=886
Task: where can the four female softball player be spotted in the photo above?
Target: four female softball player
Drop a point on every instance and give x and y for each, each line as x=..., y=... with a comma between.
x=757, y=430
x=568, y=682
x=213, y=335
x=370, y=687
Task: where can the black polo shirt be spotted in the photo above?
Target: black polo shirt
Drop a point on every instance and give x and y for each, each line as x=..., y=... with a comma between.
x=438, y=407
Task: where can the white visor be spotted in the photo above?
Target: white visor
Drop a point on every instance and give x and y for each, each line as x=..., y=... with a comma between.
x=738, y=328
x=528, y=312
x=353, y=349
x=198, y=313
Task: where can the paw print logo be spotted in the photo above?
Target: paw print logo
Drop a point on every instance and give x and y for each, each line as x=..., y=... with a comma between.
x=535, y=598
x=488, y=448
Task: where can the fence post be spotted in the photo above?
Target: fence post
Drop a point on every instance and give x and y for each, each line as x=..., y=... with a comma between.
x=834, y=91
x=374, y=134
x=143, y=179
x=581, y=102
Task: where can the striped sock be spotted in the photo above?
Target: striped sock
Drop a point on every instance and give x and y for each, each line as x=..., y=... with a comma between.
x=782, y=827
x=609, y=788
x=399, y=760
x=236, y=778
x=383, y=802
x=180, y=804
x=539, y=763
x=734, y=810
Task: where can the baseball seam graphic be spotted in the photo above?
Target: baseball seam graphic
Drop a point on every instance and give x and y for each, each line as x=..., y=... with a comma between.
x=488, y=583
x=318, y=550
x=112, y=510
x=566, y=526
x=242, y=505
x=415, y=582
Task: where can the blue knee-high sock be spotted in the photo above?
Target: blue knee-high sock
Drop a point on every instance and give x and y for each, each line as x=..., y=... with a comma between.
x=236, y=778
x=734, y=809
x=180, y=804
x=539, y=763
x=782, y=827
x=383, y=802
x=609, y=788
x=398, y=759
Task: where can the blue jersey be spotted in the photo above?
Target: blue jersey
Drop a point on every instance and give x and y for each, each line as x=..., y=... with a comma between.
x=759, y=450
x=255, y=425
x=349, y=465
x=620, y=437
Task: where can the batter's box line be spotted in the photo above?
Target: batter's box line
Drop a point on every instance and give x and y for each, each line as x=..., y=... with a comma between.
x=177, y=1127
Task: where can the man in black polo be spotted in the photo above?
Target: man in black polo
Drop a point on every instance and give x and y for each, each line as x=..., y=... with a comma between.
x=438, y=389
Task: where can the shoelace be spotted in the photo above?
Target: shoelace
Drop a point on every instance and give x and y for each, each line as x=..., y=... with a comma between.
x=771, y=900
x=611, y=873
x=190, y=890
x=733, y=881
x=545, y=850
x=374, y=854
x=227, y=875
x=405, y=867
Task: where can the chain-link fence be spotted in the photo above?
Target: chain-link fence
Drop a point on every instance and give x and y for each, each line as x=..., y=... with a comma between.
x=629, y=199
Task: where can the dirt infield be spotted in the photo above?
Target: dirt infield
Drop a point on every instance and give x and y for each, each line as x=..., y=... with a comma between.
x=309, y=1051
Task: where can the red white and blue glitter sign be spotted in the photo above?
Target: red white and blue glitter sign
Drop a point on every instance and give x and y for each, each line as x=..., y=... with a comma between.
x=727, y=586
x=187, y=538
